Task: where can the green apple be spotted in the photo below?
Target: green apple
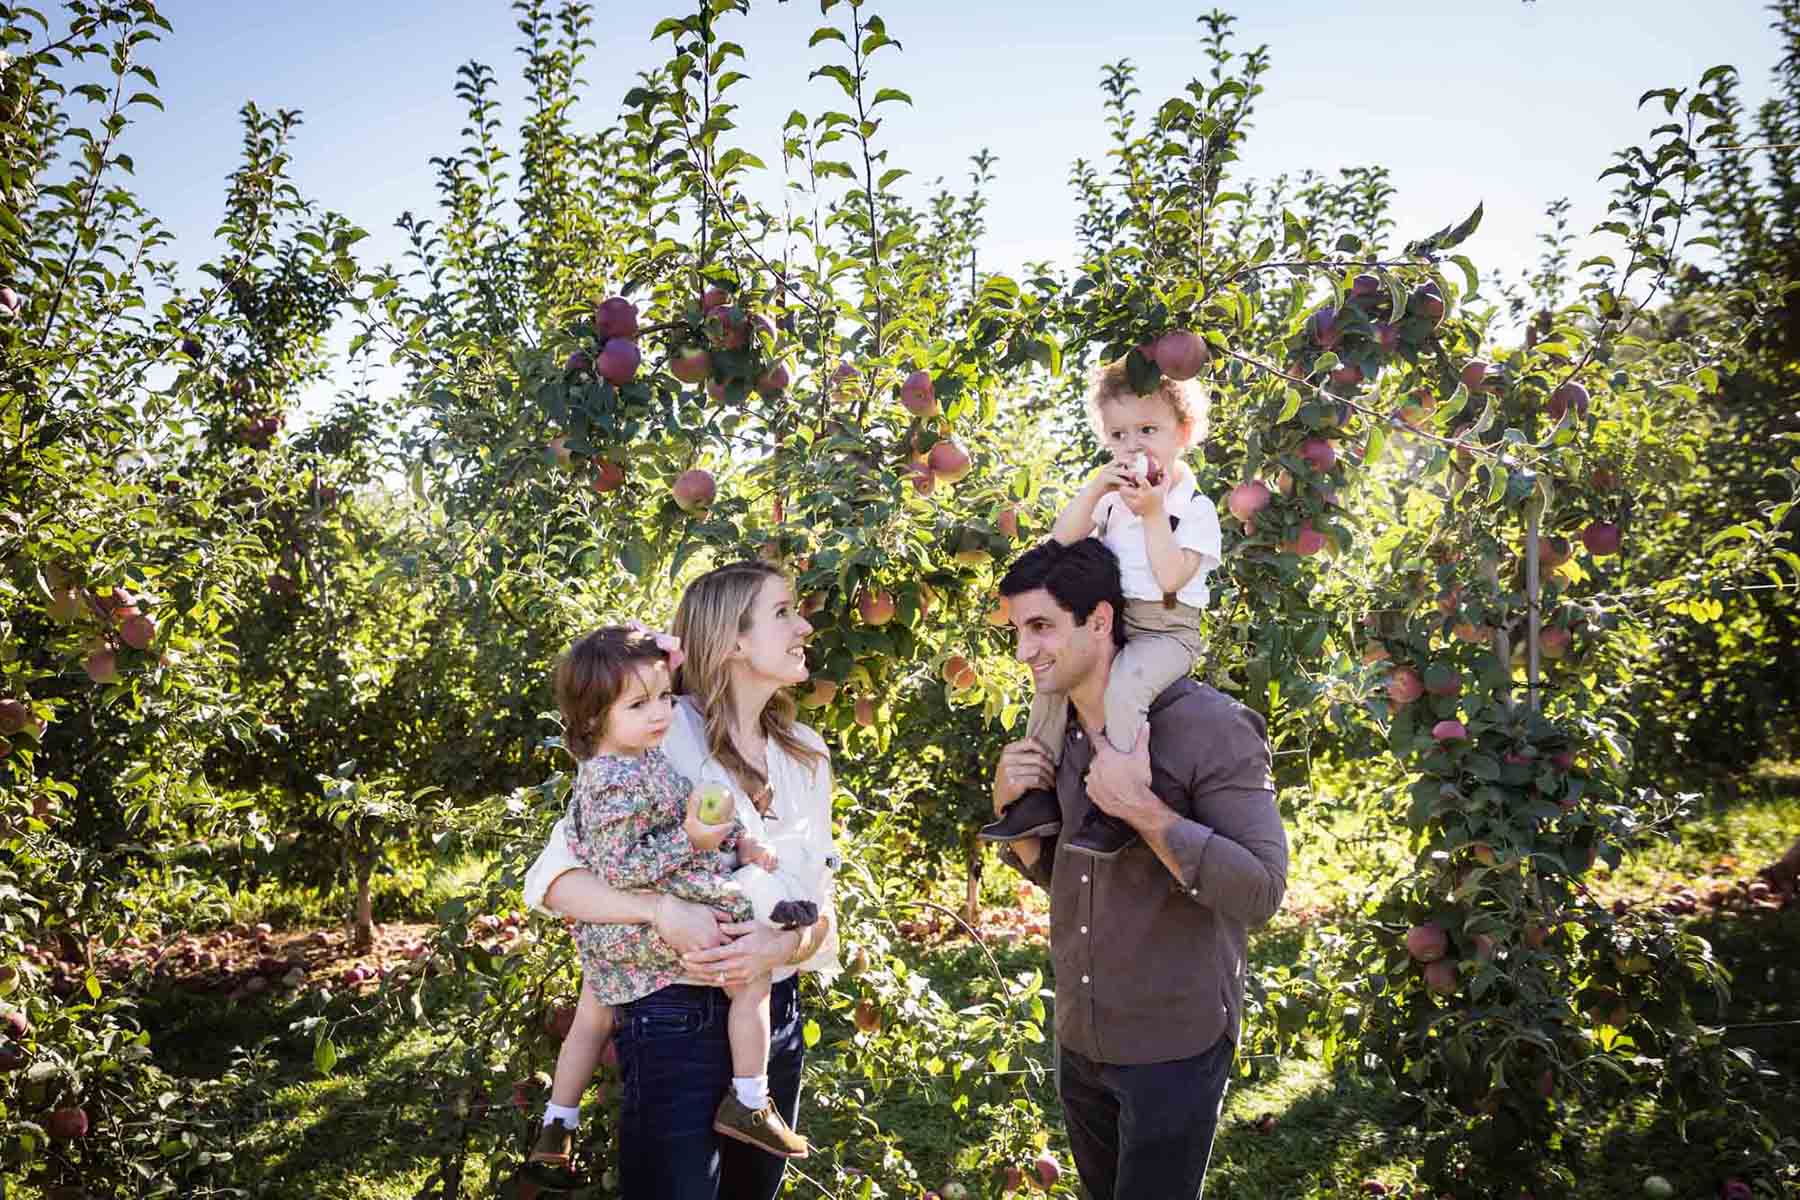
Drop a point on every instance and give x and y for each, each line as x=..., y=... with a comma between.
x=1658, y=1188
x=715, y=804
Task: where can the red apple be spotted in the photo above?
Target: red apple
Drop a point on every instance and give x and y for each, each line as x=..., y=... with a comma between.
x=1007, y=521
x=1484, y=854
x=1248, y=499
x=918, y=394
x=948, y=461
x=1307, y=541
x=1450, y=731
x=559, y=1020
x=1569, y=396
x=1387, y=336
x=1404, y=686
x=578, y=361
x=1346, y=375
x=13, y=715
x=958, y=673
x=558, y=450
x=1319, y=453
x=919, y=473
x=616, y=317
x=1180, y=353
x=1000, y=615
x=867, y=1015
x=1427, y=943
x=1323, y=327
x=690, y=364
x=67, y=1123
x=1364, y=286
x=618, y=362
x=102, y=666
x=1601, y=538
x=1048, y=1171
x=1427, y=302
x=1417, y=411
x=1375, y=652
x=694, y=490
x=65, y=607
x=1484, y=947
x=1440, y=977
x=875, y=608
x=138, y=631
x=608, y=475
x=1554, y=642
x=714, y=297
x=1474, y=374
x=9, y=300
x=1553, y=552
x=774, y=381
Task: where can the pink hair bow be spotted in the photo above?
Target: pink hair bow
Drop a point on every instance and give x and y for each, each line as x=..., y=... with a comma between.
x=668, y=643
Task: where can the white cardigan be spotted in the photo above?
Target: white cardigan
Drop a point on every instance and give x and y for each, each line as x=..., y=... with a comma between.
x=797, y=827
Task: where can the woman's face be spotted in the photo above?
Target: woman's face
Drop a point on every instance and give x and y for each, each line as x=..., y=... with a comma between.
x=773, y=649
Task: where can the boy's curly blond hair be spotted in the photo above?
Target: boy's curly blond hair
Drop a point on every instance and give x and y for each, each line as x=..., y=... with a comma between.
x=1186, y=400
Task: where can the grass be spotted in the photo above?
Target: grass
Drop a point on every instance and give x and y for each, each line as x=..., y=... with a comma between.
x=364, y=1131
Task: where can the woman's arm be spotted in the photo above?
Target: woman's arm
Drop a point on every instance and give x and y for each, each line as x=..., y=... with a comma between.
x=581, y=894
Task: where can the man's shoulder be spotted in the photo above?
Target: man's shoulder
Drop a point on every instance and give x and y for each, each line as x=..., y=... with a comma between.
x=1188, y=702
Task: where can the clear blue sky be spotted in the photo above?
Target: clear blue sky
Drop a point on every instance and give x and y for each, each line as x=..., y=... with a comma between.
x=1499, y=101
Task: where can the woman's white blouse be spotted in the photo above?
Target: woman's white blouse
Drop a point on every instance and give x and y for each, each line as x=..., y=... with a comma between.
x=797, y=826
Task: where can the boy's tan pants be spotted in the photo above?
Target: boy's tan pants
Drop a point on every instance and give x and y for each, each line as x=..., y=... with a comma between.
x=1162, y=645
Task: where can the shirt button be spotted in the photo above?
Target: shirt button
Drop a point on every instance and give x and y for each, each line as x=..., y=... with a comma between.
x=1084, y=879
x=1084, y=979
x=1084, y=929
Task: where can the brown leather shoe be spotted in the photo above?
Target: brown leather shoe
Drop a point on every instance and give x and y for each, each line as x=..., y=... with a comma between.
x=762, y=1127
x=550, y=1163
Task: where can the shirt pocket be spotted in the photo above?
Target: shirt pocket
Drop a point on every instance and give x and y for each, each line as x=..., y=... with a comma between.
x=659, y=1022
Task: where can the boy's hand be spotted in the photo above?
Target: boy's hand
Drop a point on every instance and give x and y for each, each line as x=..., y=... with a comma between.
x=1113, y=477
x=1146, y=499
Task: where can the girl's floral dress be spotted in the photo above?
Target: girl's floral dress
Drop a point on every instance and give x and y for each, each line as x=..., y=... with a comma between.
x=625, y=824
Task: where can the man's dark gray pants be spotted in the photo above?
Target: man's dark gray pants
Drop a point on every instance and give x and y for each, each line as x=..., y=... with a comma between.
x=1143, y=1132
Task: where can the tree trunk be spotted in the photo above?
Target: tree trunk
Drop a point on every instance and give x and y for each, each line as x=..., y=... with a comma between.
x=363, y=923
x=972, y=897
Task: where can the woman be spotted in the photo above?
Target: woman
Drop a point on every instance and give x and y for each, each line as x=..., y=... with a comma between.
x=745, y=643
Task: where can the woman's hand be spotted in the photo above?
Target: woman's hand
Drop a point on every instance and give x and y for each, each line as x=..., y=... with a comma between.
x=755, y=949
x=687, y=926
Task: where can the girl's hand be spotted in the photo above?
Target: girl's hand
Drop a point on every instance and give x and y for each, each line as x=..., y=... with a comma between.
x=704, y=836
x=756, y=854
x=686, y=926
x=755, y=949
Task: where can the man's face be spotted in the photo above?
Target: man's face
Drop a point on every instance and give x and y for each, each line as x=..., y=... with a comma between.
x=1060, y=652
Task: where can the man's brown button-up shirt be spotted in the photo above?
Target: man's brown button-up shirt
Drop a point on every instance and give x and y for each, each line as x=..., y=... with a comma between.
x=1150, y=966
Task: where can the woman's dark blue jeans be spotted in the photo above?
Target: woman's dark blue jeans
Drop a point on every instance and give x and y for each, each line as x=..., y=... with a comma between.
x=676, y=1064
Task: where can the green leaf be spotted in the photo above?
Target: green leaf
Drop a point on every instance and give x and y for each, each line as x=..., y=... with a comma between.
x=886, y=94
x=827, y=33
x=1377, y=443
x=1498, y=477
x=811, y=1033
x=1470, y=275
x=325, y=1055
x=1289, y=407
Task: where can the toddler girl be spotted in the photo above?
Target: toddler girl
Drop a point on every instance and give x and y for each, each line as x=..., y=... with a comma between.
x=637, y=822
x=1145, y=507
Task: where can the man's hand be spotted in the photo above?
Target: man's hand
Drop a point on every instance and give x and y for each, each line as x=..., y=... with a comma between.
x=1119, y=784
x=1023, y=765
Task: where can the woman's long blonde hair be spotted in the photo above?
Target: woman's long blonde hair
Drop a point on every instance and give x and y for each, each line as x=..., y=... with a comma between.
x=715, y=611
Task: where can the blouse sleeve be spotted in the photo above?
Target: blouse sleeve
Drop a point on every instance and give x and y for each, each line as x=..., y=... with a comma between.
x=625, y=839
x=552, y=861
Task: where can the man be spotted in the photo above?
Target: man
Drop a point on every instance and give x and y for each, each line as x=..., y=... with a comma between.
x=1148, y=946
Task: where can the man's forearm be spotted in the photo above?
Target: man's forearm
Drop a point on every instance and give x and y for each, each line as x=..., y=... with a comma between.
x=1245, y=880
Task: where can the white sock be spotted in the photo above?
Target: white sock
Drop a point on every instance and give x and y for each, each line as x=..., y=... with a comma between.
x=752, y=1090
x=568, y=1114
